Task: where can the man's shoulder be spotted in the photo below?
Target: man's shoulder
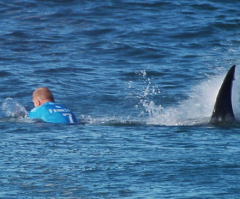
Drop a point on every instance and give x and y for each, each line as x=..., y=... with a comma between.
x=34, y=110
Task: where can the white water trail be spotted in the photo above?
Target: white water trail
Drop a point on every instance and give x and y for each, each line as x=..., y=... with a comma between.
x=197, y=108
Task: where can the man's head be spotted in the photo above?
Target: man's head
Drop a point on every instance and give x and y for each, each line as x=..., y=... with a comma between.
x=42, y=95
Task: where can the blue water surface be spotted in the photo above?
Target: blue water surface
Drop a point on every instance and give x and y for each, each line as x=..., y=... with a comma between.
x=141, y=77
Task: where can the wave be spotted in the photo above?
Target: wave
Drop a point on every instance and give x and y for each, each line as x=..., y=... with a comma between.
x=195, y=109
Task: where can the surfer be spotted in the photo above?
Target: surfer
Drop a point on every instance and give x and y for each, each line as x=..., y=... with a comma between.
x=49, y=111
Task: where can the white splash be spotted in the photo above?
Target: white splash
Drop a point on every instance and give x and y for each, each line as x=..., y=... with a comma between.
x=236, y=94
x=12, y=108
x=196, y=109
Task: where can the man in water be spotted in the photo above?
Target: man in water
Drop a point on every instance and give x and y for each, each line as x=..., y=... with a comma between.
x=47, y=110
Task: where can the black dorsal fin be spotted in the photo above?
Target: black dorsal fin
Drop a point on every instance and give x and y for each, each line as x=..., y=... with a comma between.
x=223, y=110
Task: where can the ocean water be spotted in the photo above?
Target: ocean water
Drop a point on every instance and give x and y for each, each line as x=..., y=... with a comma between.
x=142, y=79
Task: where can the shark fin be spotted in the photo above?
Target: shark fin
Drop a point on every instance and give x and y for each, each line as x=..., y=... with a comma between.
x=223, y=110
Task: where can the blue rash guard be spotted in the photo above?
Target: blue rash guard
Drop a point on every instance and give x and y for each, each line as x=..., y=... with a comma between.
x=53, y=113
